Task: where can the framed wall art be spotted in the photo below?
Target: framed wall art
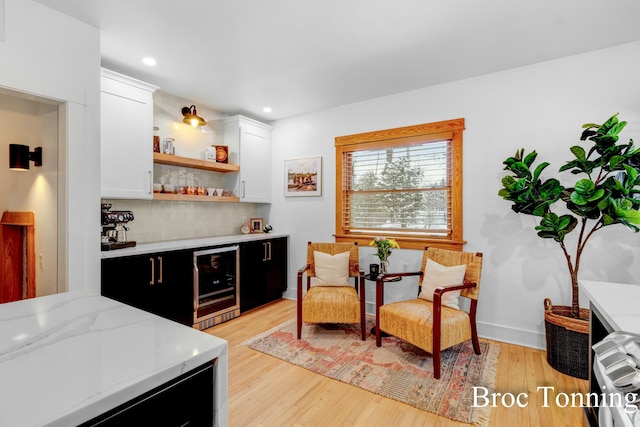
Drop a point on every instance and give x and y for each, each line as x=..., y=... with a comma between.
x=303, y=177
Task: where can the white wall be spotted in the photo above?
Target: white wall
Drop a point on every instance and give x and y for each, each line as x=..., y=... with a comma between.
x=538, y=107
x=53, y=56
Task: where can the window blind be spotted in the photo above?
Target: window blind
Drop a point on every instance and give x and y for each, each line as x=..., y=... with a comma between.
x=398, y=189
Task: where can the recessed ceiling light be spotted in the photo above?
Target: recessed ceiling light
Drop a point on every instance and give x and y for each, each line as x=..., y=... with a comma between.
x=149, y=61
x=267, y=109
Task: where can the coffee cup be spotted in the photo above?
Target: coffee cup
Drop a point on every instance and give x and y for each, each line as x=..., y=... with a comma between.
x=374, y=270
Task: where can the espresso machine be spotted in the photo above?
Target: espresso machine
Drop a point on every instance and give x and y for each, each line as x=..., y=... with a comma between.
x=114, y=228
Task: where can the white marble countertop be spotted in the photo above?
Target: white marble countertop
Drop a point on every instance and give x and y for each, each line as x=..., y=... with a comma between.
x=617, y=302
x=69, y=357
x=175, y=245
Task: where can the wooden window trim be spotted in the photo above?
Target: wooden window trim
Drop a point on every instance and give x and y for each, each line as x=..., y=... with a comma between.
x=449, y=129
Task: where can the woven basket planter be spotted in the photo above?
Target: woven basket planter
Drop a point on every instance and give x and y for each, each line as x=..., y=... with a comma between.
x=567, y=340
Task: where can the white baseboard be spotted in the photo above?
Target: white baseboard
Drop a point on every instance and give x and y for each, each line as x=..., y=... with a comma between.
x=525, y=338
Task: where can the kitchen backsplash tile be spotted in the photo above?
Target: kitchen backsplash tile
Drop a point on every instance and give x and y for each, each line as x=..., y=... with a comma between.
x=156, y=220
x=180, y=176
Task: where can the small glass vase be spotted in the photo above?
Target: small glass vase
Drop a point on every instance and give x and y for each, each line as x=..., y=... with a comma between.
x=384, y=266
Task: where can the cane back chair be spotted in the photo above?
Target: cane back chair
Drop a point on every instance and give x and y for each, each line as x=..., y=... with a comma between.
x=428, y=324
x=331, y=302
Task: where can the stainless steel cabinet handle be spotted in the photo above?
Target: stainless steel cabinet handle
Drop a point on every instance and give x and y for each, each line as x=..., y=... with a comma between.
x=267, y=251
x=243, y=189
x=153, y=271
x=150, y=183
x=161, y=269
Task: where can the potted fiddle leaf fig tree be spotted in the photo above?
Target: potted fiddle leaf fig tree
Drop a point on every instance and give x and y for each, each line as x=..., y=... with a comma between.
x=606, y=193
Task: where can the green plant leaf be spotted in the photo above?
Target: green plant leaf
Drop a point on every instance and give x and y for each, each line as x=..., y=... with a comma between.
x=632, y=174
x=617, y=128
x=597, y=195
x=554, y=227
x=615, y=161
x=531, y=157
x=611, y=121
x=579, y=152
x=585, y=187
x=539, y=170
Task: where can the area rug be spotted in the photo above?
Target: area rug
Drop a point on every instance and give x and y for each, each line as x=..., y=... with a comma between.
x=396, y=370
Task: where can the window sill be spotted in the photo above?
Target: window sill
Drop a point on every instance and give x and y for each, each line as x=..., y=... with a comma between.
x=405, y=242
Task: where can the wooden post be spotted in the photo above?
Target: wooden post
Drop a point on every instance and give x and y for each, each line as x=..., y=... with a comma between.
x=18, y=256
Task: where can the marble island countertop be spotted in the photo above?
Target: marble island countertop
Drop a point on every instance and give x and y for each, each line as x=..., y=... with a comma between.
x=69, y=357
x=617, y=302
x=175, y=245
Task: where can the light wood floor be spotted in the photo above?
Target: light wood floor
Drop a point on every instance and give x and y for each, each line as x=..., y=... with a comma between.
x=265, y=391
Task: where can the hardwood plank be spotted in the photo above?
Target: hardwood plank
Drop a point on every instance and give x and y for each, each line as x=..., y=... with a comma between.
x=265, y=391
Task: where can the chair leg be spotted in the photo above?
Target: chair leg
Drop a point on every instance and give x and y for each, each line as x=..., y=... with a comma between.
x=379, y=302
x=363, y=311
x=474, y=339
x=299, y=302
x=299, y=315
x=436, y=362
x=474, y=329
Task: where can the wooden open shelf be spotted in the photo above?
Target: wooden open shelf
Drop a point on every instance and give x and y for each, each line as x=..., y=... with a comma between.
x=194, y=198
x=167, y=159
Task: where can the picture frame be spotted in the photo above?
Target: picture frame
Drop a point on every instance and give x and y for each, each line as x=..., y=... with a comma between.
x=256, y=225
x=303, y=177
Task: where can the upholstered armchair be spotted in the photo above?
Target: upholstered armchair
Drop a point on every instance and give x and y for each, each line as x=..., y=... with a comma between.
x=327, y=295
x=434, y=321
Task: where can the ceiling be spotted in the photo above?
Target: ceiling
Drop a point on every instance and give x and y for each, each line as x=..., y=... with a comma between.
x=300, y=56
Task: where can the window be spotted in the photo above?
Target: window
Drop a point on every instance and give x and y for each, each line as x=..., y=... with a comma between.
x=404, y=183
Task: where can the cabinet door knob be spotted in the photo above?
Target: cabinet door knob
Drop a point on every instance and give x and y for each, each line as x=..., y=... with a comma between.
x=153, y=271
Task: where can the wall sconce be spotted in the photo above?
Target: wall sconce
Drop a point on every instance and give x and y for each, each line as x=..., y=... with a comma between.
x=19, y=157
x=191, y=116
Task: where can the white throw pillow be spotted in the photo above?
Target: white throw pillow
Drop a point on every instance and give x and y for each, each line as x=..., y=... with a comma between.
x=436, y=276
x=331, y=270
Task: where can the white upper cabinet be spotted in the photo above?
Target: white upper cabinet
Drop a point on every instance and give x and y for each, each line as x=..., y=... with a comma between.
x=126, y=137
x=250, y=141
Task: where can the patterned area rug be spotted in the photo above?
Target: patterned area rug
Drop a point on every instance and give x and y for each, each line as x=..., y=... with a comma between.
x=396, y=370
